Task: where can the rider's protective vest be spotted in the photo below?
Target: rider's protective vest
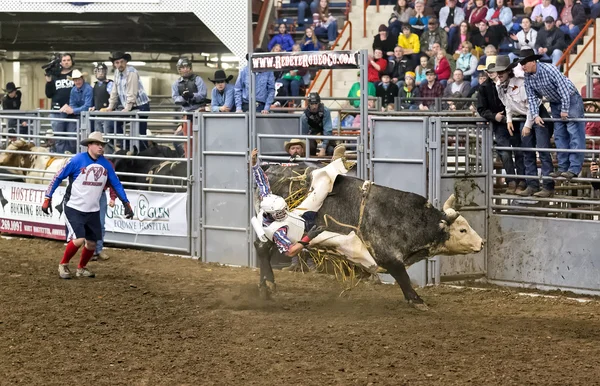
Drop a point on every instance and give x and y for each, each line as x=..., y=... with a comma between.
x=101, y=95
x=315, y=120
x=188, y=84
x=295, y=227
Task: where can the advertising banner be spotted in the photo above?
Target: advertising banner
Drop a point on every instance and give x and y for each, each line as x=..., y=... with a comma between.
x=279, y=61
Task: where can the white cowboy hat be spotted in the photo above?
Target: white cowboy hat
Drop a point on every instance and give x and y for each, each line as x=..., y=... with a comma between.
x=294, y=141
x=96, y=136
x=77, y=74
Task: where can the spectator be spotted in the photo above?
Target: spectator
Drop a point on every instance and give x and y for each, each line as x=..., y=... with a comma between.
x=486, y=36
x=482, y=65
x=102, y=89
x=572, y=18
x=478, y=13
x=399, y=65
x=355, y=91
x=316, y=120
x=325, y=23
x=433, y=34
x=283, y=38
x=595, y=86
x=550, y=42
x=408, y=91
x=526, y=37
x=302, y=7
x=451, y=17
x=128, y=90
x=399, y=18
x=544, y=80
x=480, y=79
x=442, y=67
x=467, y=62
x=435, y=5
x=432, y=89
x=421, y=70
x=462, y=35
x=377, y=65
x=411, y=46
x=309, y=41
x=223, y=94
x=383, y=41
x=419, y=20
x=264, y=90
x=490, y=107
x=542, y=11
x=387, y=91
x=293, y=80
x=501, y=15
x=435, y=48
x=529, y=5
x=595, y=9
x=458, y=88
x=12, y=101
x=58, y=88
x=81, y=99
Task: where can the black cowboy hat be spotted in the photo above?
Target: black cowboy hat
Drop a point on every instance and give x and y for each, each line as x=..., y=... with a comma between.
x=119, y=55
x=10, y=87
x=221, y=77
x=527, y=55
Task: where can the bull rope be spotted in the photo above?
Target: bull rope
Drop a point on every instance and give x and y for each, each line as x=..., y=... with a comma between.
x=366, y=188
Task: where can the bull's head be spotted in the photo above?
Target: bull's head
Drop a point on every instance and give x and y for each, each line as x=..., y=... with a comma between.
x=462, y=238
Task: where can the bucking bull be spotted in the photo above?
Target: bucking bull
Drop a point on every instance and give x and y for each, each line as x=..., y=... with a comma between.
x=369, y=223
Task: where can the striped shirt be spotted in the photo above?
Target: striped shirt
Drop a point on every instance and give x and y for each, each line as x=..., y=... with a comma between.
x=548, y=82
x=128, y=90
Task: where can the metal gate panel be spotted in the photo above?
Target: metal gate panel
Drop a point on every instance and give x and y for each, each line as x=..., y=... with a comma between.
x=276, y=124
x=544, y=252
x=225, y=183
x=398, y=156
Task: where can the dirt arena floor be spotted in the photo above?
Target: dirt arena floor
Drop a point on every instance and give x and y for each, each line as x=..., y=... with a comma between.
x=152, y=319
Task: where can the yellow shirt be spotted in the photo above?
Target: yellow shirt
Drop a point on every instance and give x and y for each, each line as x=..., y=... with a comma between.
x=411, y=42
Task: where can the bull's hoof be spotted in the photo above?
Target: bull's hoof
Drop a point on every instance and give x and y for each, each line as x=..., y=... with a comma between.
x=266, y=290
x=419, y=306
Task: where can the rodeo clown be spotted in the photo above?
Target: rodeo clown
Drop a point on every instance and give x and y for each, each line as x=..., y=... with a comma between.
x=293, y=230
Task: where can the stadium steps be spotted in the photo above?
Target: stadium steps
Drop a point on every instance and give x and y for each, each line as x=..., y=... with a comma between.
x=577, y=73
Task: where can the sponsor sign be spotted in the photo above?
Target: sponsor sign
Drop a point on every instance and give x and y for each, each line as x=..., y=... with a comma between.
x=304, y=60
x=154, y=213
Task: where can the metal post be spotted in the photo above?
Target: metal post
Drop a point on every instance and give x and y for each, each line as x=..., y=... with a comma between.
x=364, y=170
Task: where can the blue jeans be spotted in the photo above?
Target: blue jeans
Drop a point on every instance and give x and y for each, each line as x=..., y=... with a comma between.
x=451, y=32
x=572, y=32
x=59, y=128
x=538, y=137
x=302, y=6
x=65, y=145
x=569, y=135
x=105, y=127
x=143, y=126
x=556, y=54
x=260, y=106
x=103, y=206
x=331, y=31
x=292, y=86
x=504, y=139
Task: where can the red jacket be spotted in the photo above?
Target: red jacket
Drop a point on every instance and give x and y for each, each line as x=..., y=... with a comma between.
x=374, y=75
x=443, y=70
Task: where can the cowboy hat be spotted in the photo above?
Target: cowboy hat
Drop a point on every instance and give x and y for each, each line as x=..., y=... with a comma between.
x=527, y=55
x=96, y=136
x=10, y=87
x=502, y=64
x=489, y=60
x=76, y=74
x=119, y=55
x=294, y=141
x=221, y=77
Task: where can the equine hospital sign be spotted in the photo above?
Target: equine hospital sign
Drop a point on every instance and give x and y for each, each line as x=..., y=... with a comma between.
x=304, y=60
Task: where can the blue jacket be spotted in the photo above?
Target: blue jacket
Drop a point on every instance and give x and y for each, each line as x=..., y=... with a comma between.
x=310, y=46
x=285, y=41
x=81, y=98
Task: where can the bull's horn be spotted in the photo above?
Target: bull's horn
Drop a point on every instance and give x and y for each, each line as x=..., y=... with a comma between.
x=449, y=202
x=451, y=215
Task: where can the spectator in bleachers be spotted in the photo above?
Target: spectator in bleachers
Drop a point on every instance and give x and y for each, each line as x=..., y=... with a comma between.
x=435, y=49
x=387, y=91
x=377, y=65
x=399, y=65
x=309, y=40
x=419, y=21
x=325, y=23
x=595, y=9
x=458, y=88
x=316, y=120
x=595, y=86
x=283, y=38
x=486, y=36
x=433, y=34
x=355, y=91
x=550, y=42
x=399, y=18
x=223, y=94
x=292, y=80
x=529, y=5
x=411, y=46
x=431, y=89
x=467, y=62
x=303, y=5
x=476, y=12
x=435, y=5
x=462, y=35
x=383, y=41
x=408, y=91
x=451, y=17
x=572, y=18
x=541, y=12
x=421, y=70
x=264, y=90
x=500, y=15
x=442, y=67
x=475, y=89
x=526, y=37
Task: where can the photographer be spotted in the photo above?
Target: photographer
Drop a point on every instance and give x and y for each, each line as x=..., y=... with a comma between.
x=58, y=88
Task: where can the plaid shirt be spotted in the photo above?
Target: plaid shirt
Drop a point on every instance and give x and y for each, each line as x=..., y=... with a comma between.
x=434, y=92
x=548, y=82
x=130, y=95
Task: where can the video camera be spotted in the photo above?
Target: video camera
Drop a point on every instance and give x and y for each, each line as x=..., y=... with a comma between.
x=53, y=67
